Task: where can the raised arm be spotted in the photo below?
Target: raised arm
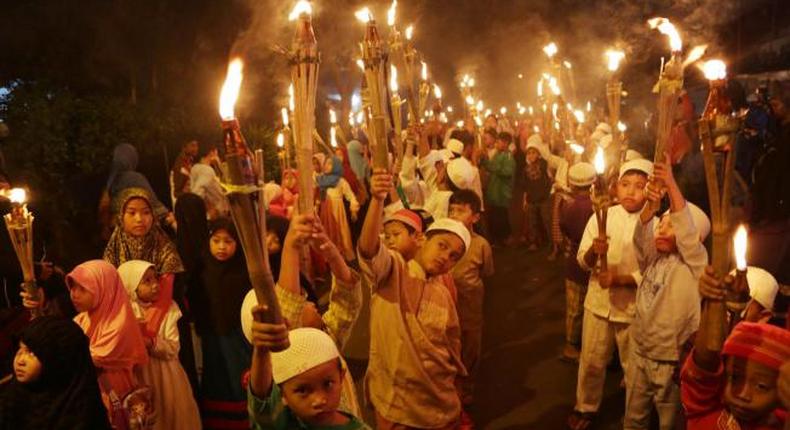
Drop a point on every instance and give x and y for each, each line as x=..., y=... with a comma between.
x=380, y=184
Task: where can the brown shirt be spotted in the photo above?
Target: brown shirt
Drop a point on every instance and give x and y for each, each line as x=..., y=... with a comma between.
x=477, y=263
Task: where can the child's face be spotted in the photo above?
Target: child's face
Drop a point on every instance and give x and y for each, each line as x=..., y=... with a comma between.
x=440, y=253
x=532, y=155
x=27, y=367
x=82, y=299
x=631, y=191
x=488, y=140
x=750, y=393
x=311, y=317
x=137, y=217
x=314, y=396
x=148, y=288
x=289, y=181
x=501, y=145
x=273, y=244
x=398, y=238
x=665, y=236
x=222, y=245
x=464, y=214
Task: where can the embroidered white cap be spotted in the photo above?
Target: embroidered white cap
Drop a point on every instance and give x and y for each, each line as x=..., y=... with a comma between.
x=461, y=173
x=455, y=146
x=309, y=348
x=452, y=226
x=581, y=174
x=640, y=165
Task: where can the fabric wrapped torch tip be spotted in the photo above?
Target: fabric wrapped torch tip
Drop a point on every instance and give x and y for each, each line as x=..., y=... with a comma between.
x=763, y=343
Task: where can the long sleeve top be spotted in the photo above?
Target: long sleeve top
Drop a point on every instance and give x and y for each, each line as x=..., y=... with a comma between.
x=500, y=169
x=343, y=191
x=667, y=300
x=167, y=342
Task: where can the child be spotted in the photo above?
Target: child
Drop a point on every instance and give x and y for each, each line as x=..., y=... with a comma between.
x=283, y=205
x=116, y=343
x=499, y=190
x=415, y=333
x=574, y=215
x=298, y=387
x=762, y=291
x=158, y=316
x=55, y=384
x=333, y=212
x=609, y=304
x=403, y=233
x=468, y=274
x=667, y=304
x=537, y=189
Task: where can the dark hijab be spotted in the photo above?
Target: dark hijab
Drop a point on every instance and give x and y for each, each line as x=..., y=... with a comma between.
x=192, y=234
x=279, y=226
x=66, y=394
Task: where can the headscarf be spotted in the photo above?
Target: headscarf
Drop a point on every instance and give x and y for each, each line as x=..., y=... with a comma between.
x=131, y=274
x=356, y=158
x=224, y=285
x=330, y=180
x=154, y=246
x=192, y=232
x=291, y=172
x=124, y=159
x=279, y=226
x=115, y=338
x=348, y=172
x=66, y=396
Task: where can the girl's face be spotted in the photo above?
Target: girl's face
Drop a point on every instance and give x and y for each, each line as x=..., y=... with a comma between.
x=148, y=288
x=328, y=166
x=82, y=299
x=222, y=245
x=273, y=244
x=137, y=217
x=27, y=367
x=289, y=181
x=532, y=155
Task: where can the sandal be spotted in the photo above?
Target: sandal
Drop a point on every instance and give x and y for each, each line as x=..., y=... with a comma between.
x=580, y=420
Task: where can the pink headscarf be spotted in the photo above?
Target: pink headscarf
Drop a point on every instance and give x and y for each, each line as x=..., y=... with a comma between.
x=115, y=338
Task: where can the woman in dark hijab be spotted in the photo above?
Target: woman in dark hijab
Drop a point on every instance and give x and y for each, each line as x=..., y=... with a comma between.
x=55, y=384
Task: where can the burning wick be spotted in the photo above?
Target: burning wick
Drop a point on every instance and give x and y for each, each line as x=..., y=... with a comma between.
x=598, y=161
x=424, y=73
x=333, y=137
x=450, y=109
x=17, y=196
x=437, y=92
x=714, y=70
x=613, y=59
x=393, y=79
x=665, y=27
x=621, y=127
x=364, y=15
x=739, y=242
x=409, y=32
x=361, y=64
x=332, y=117
x=579, y=116
x=567, y=64
x=391, y=13
x=230, y=90
x=280, y=140
x=286, y=122
x=550, y=49
x=291, y=102
x=302, y=7
x=502, y=110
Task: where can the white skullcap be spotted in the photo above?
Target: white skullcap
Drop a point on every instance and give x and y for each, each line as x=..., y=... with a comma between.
x=309, y=348
x=455, y=146
x=452, y=226
x=435, y=156
x=581, y=174
x=604, y=127
x=632, y=155
x=461, y=173
x=249, y=302
x=762, y=286
x=535, y=141
x=640, y=165
x=700, y=220
x=605, y=141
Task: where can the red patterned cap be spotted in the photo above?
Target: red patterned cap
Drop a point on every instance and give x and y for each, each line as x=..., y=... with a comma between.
x=764, y=343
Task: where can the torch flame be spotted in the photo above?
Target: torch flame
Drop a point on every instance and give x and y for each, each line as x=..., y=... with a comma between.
x=567, y=64
x=285, y=117
x=555, y=88
x=696, y=53
x=230, y=89
x=579, y=114
x=739, y=242
x=614, y=58
x=598, y=161
x=550, y=49
x=280, y=140
x=621, y=127
x=437, y=92
x=332, y=117
x=502, y=110
x=301, y=7
x=424, y=72
x=479, y=105
x=665, y=27
x=714, y=70
x=540, y=88
x=364, y=15
x=470, y=100
x=361, y=64
x=409, y=32
x=393, y=78
x=333, y=137
x=291, y=102
x=391, y=13
x=17, y=195
x=577, y=149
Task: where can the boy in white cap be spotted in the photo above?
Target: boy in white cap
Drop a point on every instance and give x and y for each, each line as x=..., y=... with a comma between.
x=609, y=305
x=672, y=258
x=763, y=288
x=414, y=329
x=298, y=387
x=573, y=218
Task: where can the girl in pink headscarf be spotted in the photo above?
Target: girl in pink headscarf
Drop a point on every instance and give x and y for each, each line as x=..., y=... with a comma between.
x=116, y=343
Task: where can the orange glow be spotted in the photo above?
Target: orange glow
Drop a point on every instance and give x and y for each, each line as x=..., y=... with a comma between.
x=364, y=15
x=739, y=247
x=280, y=140
x=714, y=70
x=598, y=161
x=391, y=13
x=696, y=53
x=291, y=101
x=301, y=7
x=613, y=59
x=665, y=27
x=550, y=49
x=230, y=89
x=393, y=79
x=17, y=195
x=424, y=72
x=284, y=113
x=437, y=92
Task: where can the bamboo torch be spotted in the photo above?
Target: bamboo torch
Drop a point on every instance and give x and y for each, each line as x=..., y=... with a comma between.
x=403, y=54
x=286, y=134
x=304, y=59
x=669, y=86
x=395, y=107
x=601, y=200
x=375, y=62
x=239, y=179
x=425, y=87
x=614, y=89
x=19, y=223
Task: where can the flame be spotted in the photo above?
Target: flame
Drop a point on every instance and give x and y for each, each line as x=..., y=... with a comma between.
x=665, y=27
x=536, y=129
x=531, y=110
x=409, y=32
x=522, y=110
x=739, y=248
x=450, y=109
x=613, y=59
x=470, y=100
x=393, y=78
x=487, y=112
x=284, y=113
x=695, y=54
x=579, y=114
x=554, y=110
x=17, y=195
x=714, y=70
x=479, y=105
x=437, y=92
x=360, y=64
x=544, y=107
x=478, y=121
x=424, y=72
x=291, y=102
x=521, y=76
x=576, y=148
x=360, y=117
x=364, y=15
x=280, y=140
x=332, y=117
x=351, y=119
x=598, y=162
x=333, y=137
x=301, y=7
x=502, y=110
x=550, y=49
x=230, y=89
x=589, y=106
x=555, y=88
x=471, y=82
x=391, y=13
x=459, y=124
x=557, y=125
x=540, y=88
x=443, y=117
x=567, y=64
x=622, y=127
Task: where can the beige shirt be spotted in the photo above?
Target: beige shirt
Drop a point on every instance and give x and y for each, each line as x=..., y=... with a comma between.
x=415, y=344
x=616, y=303
x=468, y=274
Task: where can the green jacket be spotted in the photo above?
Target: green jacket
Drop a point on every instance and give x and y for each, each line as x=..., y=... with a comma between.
x=501, y=168
x=272, y=414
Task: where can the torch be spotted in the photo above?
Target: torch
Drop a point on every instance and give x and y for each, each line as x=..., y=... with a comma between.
x=738, y=296
x=601, y=200
x=339, y=134
x=614, y=89
x=425, y=87
x=395, y=107
x=241, y=183
x=375, y=62
x=19, y=223
x=670, y=83
x=304, y=59
x=286, y=134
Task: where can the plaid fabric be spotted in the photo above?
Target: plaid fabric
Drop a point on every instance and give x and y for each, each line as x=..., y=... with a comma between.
x=763, y=343
x=556, y=204
x=574, y=310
